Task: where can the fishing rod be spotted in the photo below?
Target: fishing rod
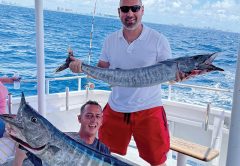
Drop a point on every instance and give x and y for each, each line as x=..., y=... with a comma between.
x=91, y=34
x=89, y=84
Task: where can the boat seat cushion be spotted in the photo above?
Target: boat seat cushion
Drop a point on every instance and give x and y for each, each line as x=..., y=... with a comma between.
x=7, y=149
x=194, y=150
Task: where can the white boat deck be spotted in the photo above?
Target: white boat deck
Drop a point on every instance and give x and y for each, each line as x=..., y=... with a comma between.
x=185, y=121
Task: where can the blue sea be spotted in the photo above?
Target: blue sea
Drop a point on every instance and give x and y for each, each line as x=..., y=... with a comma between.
x=18, y=51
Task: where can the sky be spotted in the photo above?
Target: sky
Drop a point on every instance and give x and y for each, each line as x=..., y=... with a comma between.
x=216, y=14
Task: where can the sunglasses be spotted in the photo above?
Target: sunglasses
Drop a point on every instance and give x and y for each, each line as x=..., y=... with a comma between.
x=134, y=9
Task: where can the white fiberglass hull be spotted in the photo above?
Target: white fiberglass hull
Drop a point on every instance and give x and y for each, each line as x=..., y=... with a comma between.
x=185, y=121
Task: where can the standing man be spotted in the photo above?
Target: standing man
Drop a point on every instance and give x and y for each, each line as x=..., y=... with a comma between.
x=136, y=112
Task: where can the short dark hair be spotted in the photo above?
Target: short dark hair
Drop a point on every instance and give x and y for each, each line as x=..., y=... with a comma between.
x=90, y=102
x=121, y=1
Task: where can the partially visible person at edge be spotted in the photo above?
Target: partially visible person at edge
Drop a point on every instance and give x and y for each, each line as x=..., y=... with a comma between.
x=3, y=96
x=90, y=119
x=136, y=112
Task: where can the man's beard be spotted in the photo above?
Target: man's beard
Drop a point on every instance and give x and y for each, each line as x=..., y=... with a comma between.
x=132, y=25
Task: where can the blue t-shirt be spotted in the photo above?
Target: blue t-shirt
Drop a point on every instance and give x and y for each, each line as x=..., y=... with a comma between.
x=2, y=128
x=98, y=145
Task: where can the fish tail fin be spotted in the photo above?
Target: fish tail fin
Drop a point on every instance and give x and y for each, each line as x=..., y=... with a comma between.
x=23, y=100
x=212, y=57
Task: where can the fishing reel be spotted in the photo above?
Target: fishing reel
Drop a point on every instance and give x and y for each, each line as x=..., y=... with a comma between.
x=89, y=86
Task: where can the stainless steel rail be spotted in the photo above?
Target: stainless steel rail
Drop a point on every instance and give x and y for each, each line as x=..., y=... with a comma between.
x=170, y=86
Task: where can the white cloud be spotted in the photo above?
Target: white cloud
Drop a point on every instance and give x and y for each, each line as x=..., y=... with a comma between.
x=213, y=13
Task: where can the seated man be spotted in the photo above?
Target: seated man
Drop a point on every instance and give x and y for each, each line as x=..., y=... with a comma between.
x=90, y=119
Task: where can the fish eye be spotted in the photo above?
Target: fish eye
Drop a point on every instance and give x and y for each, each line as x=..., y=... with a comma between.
x=33, y=119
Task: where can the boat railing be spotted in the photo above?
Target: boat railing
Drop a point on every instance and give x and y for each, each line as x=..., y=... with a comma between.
x=168, y=89
x=170, y=85
x=48, y=80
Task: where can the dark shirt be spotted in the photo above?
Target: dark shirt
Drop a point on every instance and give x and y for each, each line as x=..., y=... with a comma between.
x=98, y=145
x=2, y=128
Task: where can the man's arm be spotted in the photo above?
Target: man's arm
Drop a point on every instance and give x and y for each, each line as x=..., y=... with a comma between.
x=8, y=80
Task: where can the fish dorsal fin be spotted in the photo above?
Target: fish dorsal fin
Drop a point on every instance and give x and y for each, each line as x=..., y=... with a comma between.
x=23, y=101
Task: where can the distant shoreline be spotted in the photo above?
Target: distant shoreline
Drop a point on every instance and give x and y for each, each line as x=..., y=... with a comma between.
x=70, y=11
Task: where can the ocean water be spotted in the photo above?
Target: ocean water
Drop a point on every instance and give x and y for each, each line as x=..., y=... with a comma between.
x=18, y=52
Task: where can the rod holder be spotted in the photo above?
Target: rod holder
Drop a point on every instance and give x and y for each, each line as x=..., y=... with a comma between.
x=67, y=98
x=206, y=123
x=9, y=103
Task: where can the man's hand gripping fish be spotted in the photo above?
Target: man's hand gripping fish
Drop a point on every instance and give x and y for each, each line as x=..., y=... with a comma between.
x=173, y=70
x=53, y=147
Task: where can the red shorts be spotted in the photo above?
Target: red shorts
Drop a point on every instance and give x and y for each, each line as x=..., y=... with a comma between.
x=148, y=127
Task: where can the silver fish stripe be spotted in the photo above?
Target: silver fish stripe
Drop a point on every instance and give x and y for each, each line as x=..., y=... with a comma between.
x=174, y=70
x=52, y=146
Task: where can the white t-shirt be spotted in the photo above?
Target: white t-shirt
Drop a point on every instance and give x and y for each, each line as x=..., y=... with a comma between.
x=148, y=49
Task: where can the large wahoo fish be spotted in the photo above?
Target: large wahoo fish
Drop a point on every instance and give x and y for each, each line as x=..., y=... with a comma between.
x=174, y=70
x=55, y=148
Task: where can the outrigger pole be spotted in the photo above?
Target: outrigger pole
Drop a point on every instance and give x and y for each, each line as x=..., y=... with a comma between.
x=233, y=158
x=40, y=57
